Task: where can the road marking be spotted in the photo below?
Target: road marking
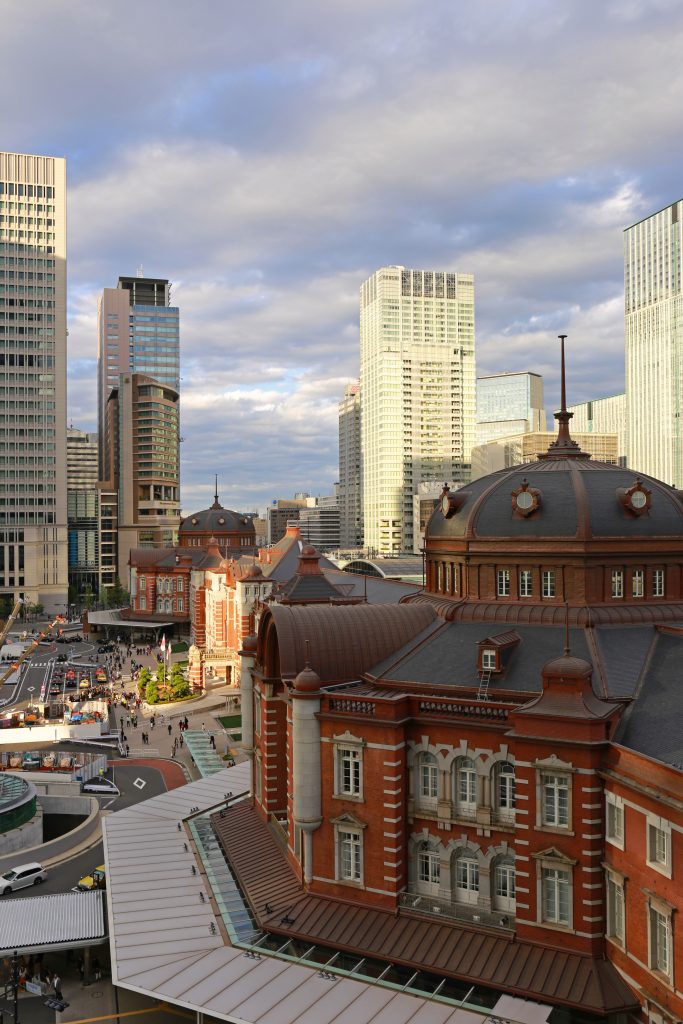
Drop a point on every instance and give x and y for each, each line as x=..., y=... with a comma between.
x=140, y=783
x=103, y=807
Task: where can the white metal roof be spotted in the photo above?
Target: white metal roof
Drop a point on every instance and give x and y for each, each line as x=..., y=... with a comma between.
x=162, y=942
x=44, y=922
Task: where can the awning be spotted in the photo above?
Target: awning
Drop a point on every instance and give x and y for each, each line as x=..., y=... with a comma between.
x=41, y=923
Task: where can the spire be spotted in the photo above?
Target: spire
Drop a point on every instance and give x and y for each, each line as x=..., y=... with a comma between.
x=216, y=502
x=563, y=447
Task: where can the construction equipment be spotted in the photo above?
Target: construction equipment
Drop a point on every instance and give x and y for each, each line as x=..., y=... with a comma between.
x=29, y=650
x=10, y=621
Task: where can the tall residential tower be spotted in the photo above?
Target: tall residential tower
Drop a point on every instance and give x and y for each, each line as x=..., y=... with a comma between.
x=417, y=380
x=654, y=344
x=509, y=403
x=350, y=495
x=33, y=517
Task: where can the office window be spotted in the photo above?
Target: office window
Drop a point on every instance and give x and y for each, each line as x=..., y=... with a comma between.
x=638, y=583
x=142, y=582
x=659, y=844
x=617, y=583
x=658, y=583
x=428, y=870
x=555, y=800
x=548, y=583
x=504, y=884
x=466, y=879
x=427, y=778
x=143, y=603
x=465, y=787
x=179, y=584
x=504, y=791
x=556, y=892
x=503, y=583
x=525, y=583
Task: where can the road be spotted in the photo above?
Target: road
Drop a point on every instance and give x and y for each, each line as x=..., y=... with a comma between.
x=43, y=670
x=65, y=876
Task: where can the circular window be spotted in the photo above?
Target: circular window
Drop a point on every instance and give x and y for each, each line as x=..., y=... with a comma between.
x=639, y=499
x=524, y=500
x=194, y=522
x=221, y=520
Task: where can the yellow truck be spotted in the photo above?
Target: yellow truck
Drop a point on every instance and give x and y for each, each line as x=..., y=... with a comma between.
x=97, y=879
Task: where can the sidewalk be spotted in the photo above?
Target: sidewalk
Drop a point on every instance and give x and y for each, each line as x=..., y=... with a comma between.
x=202, y=712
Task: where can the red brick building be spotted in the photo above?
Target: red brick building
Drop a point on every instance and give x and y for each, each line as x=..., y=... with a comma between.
x=484, y=783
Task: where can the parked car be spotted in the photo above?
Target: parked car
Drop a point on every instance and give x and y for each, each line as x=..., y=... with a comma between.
x=21, y=876
x=62, y=657
x=97, y=879
x=100, y=785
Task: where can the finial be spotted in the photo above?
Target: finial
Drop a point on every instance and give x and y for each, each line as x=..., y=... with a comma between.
x=563, y=447
x=216, y=485
x=566, y=629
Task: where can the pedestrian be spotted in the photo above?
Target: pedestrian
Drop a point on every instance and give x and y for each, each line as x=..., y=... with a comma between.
x=181, y=739
x=96, y=969
x=151, y=722
x=127, y=750
x=170, y=728
x=204, y=728
x=81, y=968
x=212, y=741
x=57, y=986
x=187, y=722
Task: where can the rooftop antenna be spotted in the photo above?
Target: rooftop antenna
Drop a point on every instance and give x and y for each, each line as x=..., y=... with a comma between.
x=564, y=446
x=215, y=496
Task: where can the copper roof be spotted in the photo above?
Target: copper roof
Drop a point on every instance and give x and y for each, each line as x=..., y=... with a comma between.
x=468, y=953
x=342, y=641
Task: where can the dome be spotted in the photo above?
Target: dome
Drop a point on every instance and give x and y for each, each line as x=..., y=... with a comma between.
x=573, y=498
x=250, y=644
x=566, y=668
x=307, y=681
x=216, y=521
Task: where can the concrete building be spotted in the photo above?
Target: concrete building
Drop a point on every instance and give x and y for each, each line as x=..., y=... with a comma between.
x=417, y=381
x=350, y=492
x=603, y=416
x=522, y=448
x=509, y=403
x=141, y=449
x=653, y=308
x=33, y=505
x=83, y=514
x=281, y=512
x=319, y=522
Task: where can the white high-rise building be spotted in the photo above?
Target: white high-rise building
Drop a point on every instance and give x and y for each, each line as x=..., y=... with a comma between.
x=33, y=514
x=653, y=306
x=350, y=495
x=417, y=379
x=602, y=416
x=509, y=403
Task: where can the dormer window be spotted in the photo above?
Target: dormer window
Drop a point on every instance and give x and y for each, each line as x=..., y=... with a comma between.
x=636, y=499
x=525, y=500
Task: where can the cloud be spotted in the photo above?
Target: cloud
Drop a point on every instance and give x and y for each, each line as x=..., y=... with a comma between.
x=268, y=159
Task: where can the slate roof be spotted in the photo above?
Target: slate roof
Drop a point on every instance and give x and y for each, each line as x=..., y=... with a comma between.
x=377, y=591
x=653, y=724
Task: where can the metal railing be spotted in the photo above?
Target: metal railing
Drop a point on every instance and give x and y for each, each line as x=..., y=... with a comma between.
x=434, y=906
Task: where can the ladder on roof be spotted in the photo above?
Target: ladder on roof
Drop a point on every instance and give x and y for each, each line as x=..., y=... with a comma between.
x=484, y=682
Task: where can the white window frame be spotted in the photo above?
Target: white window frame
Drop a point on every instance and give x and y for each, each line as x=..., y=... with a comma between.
x=465, y=785
x=349, y=853
x=504, y=791
x=617, y=584
x=556, y=889
x=181, y=604
x=614, y=820
x=638, y=583
x=427, y=782
x=549, y=588
x=660, y=944
x=658, y=844
x=658, y=580
x=142, y=583
x=504, y=885
x=553, y=785
x=488, y=660
x=180, y=586
x=143, y=602
x=503, y=583
x=427, y=870
x=348, y=771
x=466, y=878
x=526, y=583
x=616, y=907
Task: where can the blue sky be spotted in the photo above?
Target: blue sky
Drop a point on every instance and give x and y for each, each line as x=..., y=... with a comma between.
x=267, y=159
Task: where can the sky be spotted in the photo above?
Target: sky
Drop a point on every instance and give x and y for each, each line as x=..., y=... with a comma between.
x=267, y=158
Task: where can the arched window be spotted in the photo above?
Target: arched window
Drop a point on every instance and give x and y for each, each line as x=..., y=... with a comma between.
x=169, y=606
x=465, y=787
x=427, y=780
x=504, y=883
x=504, y=792
x=160, y=604
x=466, y=877
x=428, y=874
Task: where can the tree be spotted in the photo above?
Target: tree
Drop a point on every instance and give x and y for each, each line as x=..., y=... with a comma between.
x=152, y=692
x=161, y=673
x=179, y=684
x=118, y=597
x=37, y=609
x=144, y=679
x=88, y=597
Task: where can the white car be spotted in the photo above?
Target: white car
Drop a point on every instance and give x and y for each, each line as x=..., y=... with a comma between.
x=18, y=878
x=101, y=785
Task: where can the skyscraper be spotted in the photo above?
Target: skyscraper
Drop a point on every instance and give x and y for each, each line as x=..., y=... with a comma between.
x=417, y=381
x=602, y=416
x=83, y=511
x=350, y=497
x=138, y=373
x=653, y=307
x=509, y=403
x=33, y=516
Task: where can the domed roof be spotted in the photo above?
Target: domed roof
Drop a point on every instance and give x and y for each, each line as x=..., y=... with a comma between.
x=307, y=681
x=574, y=498
x=216, y=521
